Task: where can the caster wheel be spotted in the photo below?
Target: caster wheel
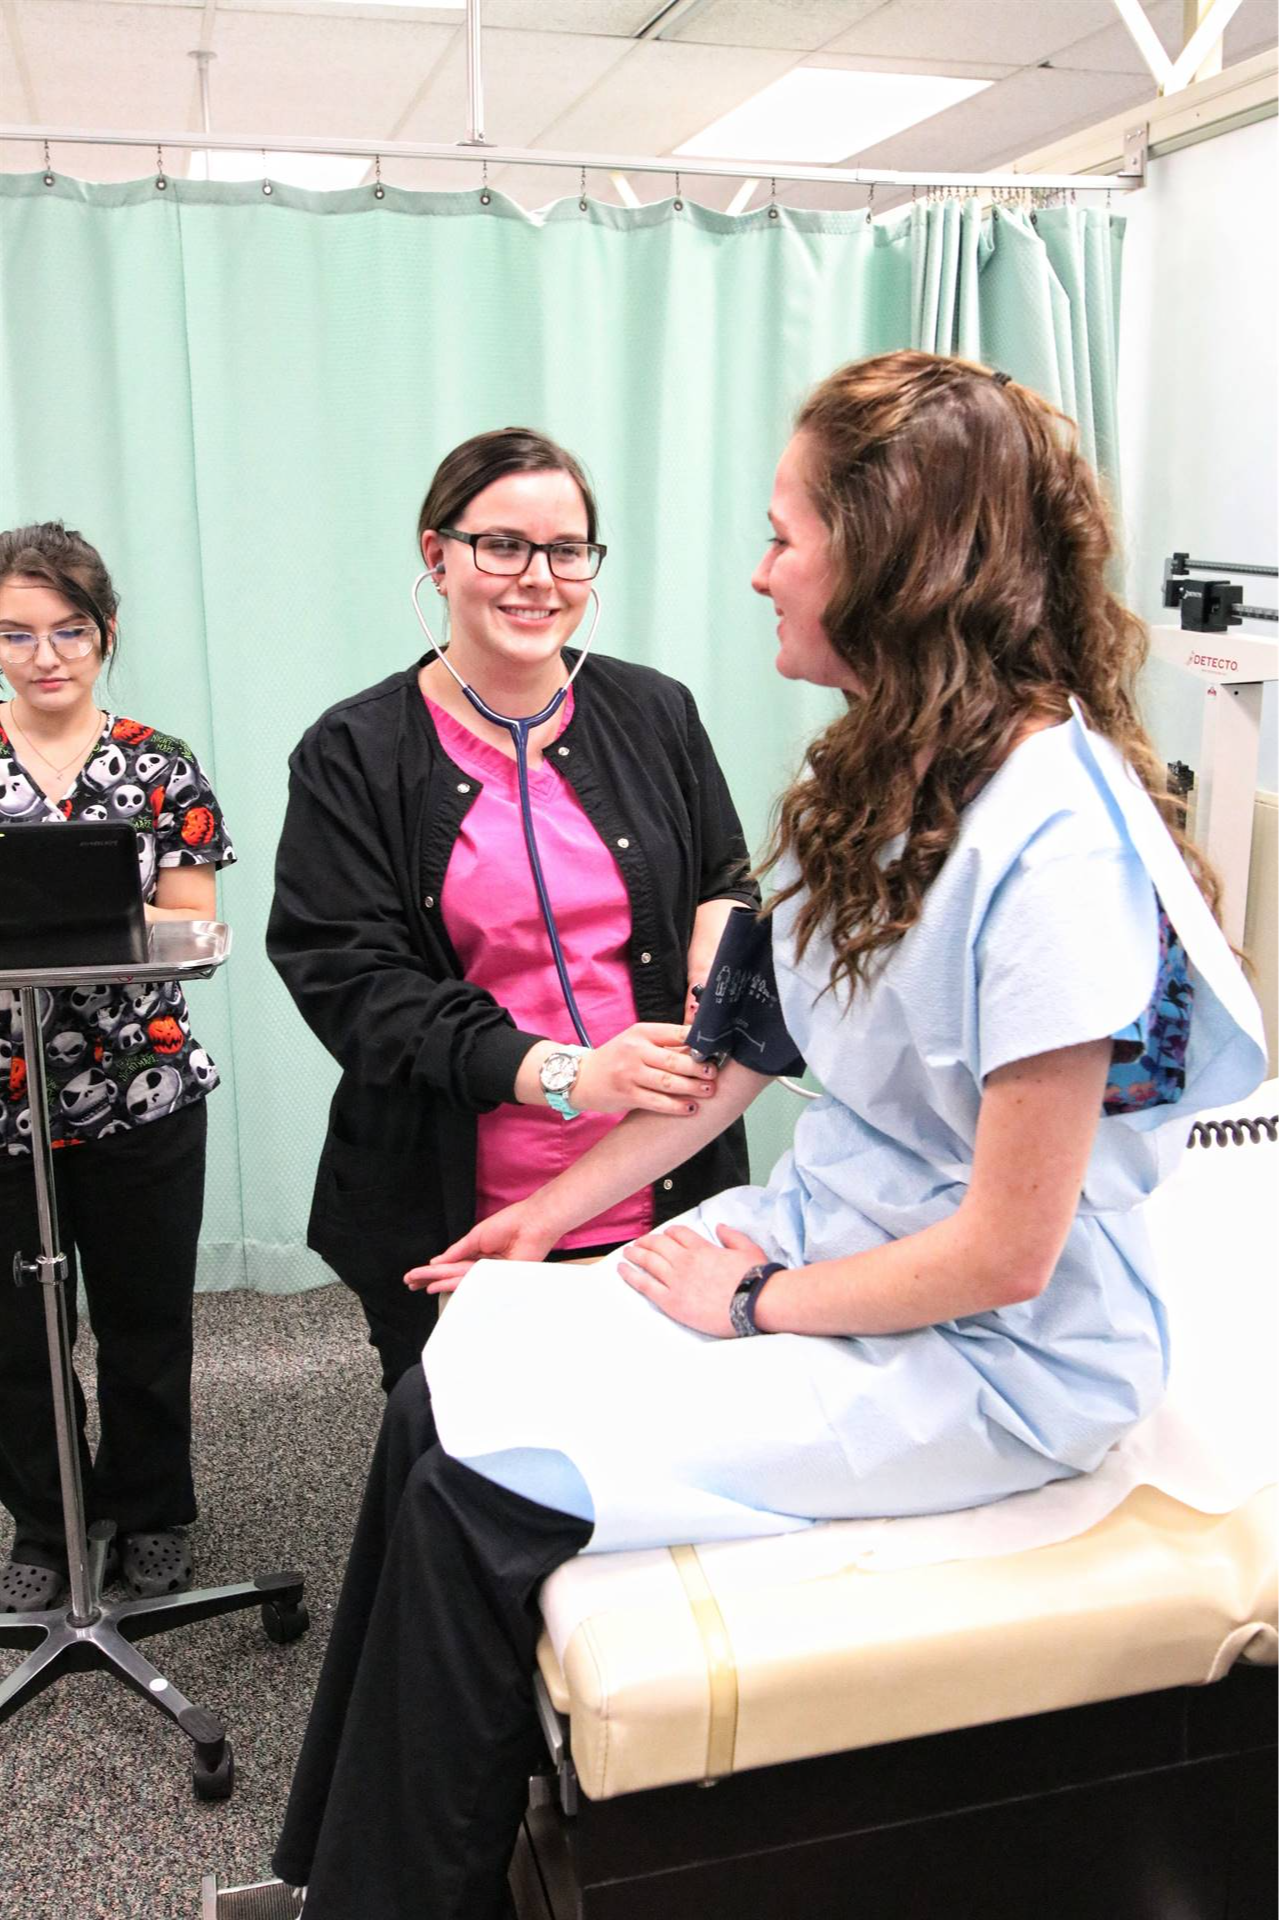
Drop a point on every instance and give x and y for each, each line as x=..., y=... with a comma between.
x=214, y=1783
x=283, y=1624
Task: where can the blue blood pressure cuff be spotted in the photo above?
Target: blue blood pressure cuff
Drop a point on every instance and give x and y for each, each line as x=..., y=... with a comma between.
x=739, y=1015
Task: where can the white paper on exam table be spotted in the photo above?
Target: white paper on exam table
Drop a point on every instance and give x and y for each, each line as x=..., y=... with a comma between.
x=1210, y=1445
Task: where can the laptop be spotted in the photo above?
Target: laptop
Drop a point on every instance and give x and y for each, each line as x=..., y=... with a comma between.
x=70, y=896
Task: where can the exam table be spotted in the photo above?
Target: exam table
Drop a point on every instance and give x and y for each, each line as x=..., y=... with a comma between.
x=1049, y=1709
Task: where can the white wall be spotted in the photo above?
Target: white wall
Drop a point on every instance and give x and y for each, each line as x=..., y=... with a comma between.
x=1197, y=394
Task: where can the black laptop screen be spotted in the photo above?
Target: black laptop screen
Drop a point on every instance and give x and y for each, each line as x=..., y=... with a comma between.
x=70, y=896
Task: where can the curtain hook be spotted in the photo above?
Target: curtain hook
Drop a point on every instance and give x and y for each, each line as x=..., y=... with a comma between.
x=379, y=191
x=870, y=206
x=581, y=193
x=774, y=211
x=267, y=188
x=48, y=167
x=485, y=196
x=160, y=182
x=678, y=202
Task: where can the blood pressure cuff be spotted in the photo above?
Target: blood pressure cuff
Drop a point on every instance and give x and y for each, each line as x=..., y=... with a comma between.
x=739, y=1016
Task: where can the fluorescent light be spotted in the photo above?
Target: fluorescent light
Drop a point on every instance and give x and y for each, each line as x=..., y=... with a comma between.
x=625, y=191
x=738, y=202
x=1149, y=45
x=322, y=172
x=827, y=113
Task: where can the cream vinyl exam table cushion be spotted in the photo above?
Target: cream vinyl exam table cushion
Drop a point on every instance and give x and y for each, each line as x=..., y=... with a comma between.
x=1157, y=1571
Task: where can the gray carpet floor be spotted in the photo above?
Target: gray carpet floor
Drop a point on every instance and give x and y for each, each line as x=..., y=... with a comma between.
x=98, y=1820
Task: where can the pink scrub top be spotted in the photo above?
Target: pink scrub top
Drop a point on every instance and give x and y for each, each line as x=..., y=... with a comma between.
x=492, y=916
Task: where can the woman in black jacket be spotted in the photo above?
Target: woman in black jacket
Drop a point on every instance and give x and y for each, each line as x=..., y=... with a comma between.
x=406, y=924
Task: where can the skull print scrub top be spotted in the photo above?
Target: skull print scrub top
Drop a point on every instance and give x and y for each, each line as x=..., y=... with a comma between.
x=116, y=1057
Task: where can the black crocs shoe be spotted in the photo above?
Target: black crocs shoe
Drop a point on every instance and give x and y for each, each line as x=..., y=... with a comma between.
x=154, y=1564
x=25, y=1588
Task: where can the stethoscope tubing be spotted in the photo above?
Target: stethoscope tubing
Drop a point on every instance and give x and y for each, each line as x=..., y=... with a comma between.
x=519, y=730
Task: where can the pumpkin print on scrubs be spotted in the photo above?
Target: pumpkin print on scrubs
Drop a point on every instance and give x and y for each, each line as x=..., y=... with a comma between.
x=198, y=827
x=128, y=1038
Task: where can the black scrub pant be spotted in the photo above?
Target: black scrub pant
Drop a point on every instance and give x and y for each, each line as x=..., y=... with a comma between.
x=129, y=1211
x=413, y=1776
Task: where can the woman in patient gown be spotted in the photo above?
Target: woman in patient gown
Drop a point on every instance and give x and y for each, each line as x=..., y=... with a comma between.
x=998, y=965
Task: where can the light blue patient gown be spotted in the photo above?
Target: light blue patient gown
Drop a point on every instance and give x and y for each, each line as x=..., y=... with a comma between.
x=1039, y=932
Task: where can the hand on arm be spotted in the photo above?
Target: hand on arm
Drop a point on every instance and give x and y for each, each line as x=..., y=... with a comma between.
x=645, y=1146
x=644, y=1066
x=184, y=893
x=1000, y=1246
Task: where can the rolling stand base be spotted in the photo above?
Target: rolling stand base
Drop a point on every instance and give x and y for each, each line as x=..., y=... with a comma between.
x=106, y=1639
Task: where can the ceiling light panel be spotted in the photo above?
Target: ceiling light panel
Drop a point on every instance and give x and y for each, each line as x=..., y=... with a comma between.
x=1032, y=109
x=818, y=115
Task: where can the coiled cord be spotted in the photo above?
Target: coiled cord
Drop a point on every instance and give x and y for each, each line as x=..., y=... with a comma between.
x=1227, y=1133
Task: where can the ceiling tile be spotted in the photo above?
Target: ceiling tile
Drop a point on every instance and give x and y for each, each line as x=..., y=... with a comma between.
x=530, y=80
x=801, y=25
x=1014, y=32
x=1251, y=31
x=1115, y=51
x=320, y=73
x=18, y=99
x=661, y=94
x=614, y=17
x=94, y=64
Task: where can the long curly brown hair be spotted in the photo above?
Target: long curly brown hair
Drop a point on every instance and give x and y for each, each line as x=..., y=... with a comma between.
x=969, y=542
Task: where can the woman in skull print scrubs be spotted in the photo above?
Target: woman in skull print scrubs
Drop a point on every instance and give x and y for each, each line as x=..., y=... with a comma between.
x=127, y=1082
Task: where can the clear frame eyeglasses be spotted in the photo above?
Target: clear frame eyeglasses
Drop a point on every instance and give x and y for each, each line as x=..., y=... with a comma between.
x=71, y=641
x=505, y=553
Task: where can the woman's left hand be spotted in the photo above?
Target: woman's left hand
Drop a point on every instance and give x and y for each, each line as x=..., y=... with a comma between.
x=689, y=1277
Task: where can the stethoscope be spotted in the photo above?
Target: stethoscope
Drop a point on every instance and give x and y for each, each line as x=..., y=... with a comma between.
x=519, y=731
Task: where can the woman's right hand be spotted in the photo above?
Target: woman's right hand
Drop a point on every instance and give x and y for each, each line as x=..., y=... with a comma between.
x=512, y=1234
x=645, y=1066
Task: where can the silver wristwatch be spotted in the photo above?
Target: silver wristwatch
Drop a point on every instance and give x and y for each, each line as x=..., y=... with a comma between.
x=558, y=1075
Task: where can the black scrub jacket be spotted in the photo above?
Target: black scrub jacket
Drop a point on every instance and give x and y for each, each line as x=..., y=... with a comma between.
x=357, y=934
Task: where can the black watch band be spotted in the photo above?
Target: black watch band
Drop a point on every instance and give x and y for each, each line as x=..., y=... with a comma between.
x=741, y=1308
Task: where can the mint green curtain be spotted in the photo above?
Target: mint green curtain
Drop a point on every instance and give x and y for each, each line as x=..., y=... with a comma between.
x=240, y=400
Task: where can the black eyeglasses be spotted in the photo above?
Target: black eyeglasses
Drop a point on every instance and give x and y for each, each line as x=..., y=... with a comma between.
x=506, y=553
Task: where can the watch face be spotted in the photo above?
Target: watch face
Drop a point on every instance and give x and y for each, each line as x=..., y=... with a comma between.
x=559, y=1071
